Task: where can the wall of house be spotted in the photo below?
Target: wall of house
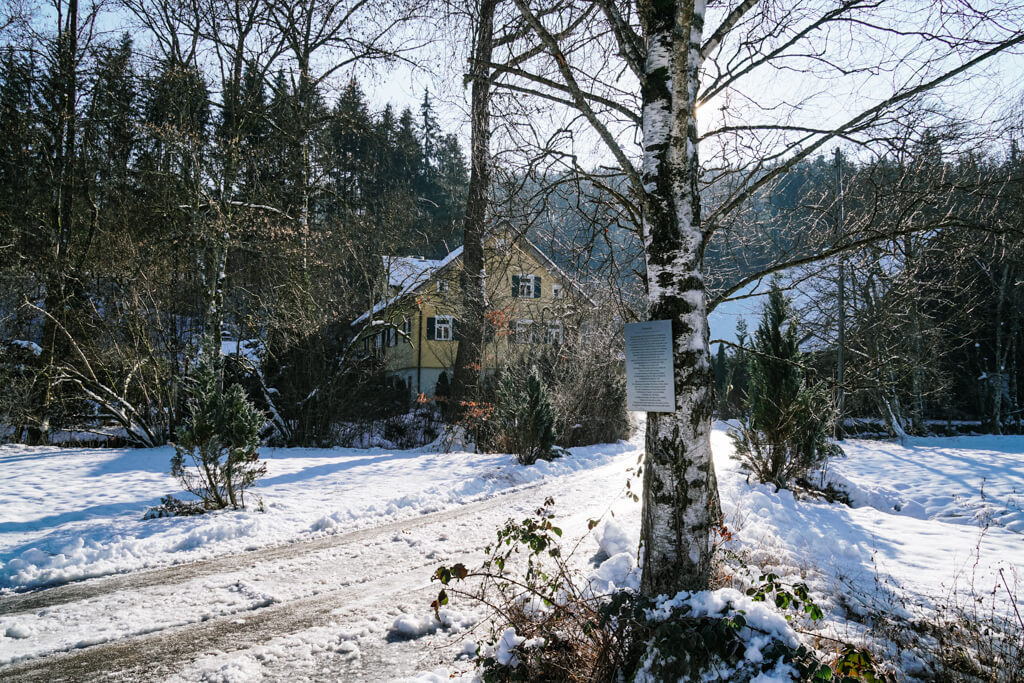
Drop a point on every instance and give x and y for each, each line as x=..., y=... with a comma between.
x=506, y=267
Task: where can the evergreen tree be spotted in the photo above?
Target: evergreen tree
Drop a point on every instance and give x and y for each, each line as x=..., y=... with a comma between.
x=525, y=417
x=721, y=368
x=350, y=133
x=787, y=433
x=775, y=376
x=21, y=187
x=216, y=455
x=429, y=135
x=738, y=385
x=112, y=118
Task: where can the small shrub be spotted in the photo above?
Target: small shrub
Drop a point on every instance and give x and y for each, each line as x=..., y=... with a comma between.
x=172, y=507
x=216, y=457
x=546, y=623
x=524, y=418
x=787, y=432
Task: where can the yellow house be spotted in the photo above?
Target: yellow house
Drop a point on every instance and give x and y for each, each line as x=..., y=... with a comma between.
x=530, y=301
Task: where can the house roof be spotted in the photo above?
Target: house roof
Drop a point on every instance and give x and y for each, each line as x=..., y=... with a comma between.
x=408, y=274
x=408, y=271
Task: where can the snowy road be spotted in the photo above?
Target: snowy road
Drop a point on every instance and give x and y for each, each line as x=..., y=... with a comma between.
x=324, y=606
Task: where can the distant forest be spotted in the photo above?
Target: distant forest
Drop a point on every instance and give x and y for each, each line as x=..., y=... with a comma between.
x=159, y=215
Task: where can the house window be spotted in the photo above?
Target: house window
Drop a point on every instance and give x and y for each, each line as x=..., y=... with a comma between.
x=556, y=292
x=526, y=286
x=524, y=332
x=553, y=332
x=443, y=328
x=442, y=286
x=378, y=340
x=406, y=330
x=392, y=334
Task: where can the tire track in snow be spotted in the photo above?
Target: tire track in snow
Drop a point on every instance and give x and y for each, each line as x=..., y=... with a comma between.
x=91, y=588
x=155, y=656
x=161, y=653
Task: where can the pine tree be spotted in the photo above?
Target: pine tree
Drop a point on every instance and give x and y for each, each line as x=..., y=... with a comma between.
x=525, y=417
x=738, y=386
x=787, y=432
x=774, y=372
x=429, y=134
x=722, y=382
x=216, y=455
x=20, y=170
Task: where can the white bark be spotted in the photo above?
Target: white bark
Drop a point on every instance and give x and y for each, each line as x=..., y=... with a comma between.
x=680, y=496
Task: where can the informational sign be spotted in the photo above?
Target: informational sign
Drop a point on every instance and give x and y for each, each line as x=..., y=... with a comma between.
x=649, y=373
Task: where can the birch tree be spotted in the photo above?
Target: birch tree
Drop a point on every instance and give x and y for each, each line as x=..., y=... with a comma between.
x=676, y=58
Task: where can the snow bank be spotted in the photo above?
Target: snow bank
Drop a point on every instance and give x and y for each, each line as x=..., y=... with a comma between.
x=409, y=625
x=70, y=514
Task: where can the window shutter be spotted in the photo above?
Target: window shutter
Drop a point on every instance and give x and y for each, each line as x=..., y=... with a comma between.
x=515, y=286
x=536, y=286
x=455, y=329
x=430, y=327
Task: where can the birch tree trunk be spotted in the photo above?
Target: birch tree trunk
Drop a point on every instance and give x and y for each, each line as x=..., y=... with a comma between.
x=680, y=492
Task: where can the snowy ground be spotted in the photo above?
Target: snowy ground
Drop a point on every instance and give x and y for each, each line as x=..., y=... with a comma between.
x=348, y=600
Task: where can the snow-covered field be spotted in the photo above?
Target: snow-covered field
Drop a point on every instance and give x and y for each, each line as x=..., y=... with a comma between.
x=930, y=516
x=68, y=514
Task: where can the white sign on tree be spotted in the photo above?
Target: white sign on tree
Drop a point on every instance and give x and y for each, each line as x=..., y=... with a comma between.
x=650, y=385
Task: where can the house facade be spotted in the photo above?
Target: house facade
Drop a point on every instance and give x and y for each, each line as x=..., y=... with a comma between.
x=530, y=301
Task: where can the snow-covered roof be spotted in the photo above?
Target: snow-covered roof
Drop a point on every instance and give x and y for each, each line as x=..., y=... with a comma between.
x=407, y=274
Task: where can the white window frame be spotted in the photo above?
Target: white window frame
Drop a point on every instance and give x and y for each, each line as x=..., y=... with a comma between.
x=526, y=286
x=392, y=335
x=557, y=292
x=443, y=327
x=524, y=332
x=407, y=329
x=554, y=332
x=442, y=286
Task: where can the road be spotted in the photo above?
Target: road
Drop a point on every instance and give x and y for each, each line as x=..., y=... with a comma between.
x=320, y=609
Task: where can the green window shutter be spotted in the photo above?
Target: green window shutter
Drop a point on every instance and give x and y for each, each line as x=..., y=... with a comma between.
x=430, y=328
x=515, y=286
x=536, y=286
